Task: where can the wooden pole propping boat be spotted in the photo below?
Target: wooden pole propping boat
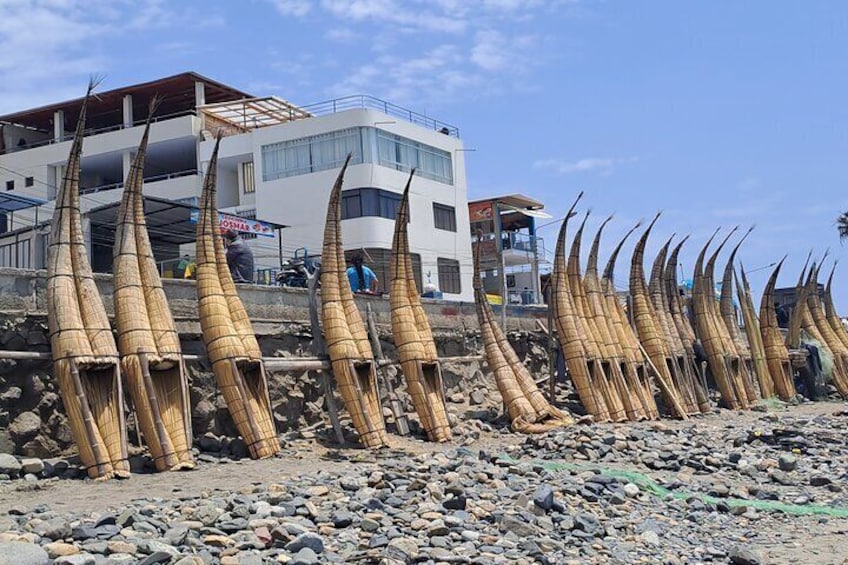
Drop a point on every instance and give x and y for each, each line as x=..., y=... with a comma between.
x=229, y=338
x=755, y=338
x=85, y=357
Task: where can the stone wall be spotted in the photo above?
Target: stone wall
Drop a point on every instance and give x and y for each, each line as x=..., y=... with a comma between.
x=33, y=423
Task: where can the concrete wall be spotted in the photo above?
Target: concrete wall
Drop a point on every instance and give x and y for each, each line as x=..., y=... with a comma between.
x=24, y=292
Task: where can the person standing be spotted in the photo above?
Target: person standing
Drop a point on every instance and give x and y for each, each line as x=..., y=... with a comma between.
x=181, y=267
x=361, y=277
x=239, y=257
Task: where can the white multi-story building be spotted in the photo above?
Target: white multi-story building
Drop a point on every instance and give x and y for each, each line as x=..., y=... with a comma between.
x=277, y=163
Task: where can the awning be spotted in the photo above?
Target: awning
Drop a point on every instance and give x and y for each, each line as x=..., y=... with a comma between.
x=506, y=209
x=11, y=202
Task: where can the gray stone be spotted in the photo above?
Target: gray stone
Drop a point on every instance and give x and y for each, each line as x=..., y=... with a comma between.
x=403, y=549
x=25, y=427
x=477, y=397
x=304, y=557
x=157, y=557
x=631, y=490
x=79, y=559
x=650, y=537
x=11, y=394
x=55, y=529
x=32, y=465
x=341, y=519
x=22, y=554
x=310, y=540
x=9, y=465
x=744, y=555
x=544, y=497
x=787, y=462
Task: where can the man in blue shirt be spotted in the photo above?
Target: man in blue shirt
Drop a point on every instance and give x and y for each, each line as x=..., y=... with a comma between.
x=362, y=278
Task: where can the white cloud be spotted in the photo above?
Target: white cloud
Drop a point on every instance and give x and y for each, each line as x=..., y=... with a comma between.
x=600, y=165
x=297, y=8
x=341, y=35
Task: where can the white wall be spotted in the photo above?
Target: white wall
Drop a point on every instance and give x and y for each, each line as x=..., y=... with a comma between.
x=300, y=202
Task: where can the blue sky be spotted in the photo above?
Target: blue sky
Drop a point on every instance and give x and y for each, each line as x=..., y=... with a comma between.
x=718, y=113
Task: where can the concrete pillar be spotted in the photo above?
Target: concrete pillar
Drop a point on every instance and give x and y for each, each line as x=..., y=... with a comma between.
x=59, y=171
x=126, y=160
x=199, y=94
x=128, y=111
x=59, y=125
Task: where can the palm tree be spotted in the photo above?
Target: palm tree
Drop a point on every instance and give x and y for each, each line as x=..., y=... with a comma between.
x=842, y=226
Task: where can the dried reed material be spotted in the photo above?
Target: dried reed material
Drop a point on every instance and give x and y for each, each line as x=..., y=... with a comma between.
x=413, y=337
x=638, y=375
x=229, y=338
x=777, y=355
x=571, y=333
x=350, y=351
x=622, y=359
x=830, y=310
x=85, y=357
x=755, y=339
x=648, y=329
x=148, y=341
x=796, y=320
x=837, y=348
x=526, y=407
x=680, y=324
x=742, y=380
x=610, y=380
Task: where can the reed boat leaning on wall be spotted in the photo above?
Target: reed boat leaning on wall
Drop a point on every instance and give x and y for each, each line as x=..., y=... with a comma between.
x=650, y=333
x=151, y=357
x=755, y=338
x=830, y=310
x=229, y=338
x=413, y=336
x=528, y=410
x=344, y=331
x=638, y=374
x=837, y=348
x=777, y=355
x=85, y=357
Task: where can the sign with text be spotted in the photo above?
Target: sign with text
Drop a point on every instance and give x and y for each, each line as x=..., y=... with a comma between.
x=239, y=224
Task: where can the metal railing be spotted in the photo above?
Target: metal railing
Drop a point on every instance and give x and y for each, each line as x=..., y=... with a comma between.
x=147, y=180
x=95, y=131
x=364, y=101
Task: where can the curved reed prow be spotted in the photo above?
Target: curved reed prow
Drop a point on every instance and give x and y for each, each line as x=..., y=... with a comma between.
x=777, y=355
x=227, y=333
x=85, y=357
x=344, y=331
x=412, y=333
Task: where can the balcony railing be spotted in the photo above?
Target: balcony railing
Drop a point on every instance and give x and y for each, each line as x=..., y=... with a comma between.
x=523, y=242
x=363, y=101
x=147, y=180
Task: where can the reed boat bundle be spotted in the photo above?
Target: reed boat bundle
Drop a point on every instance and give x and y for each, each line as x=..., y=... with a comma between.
x=834, y=344
x=681, y=324
x=759, y=362
x=830, y=310
x=585, y=372
x=151, y=358
x=613, y=388
x=650, y=332
x=740, y=372
x=777, y=355
x=413, y=336
x=229, y=338
x=626, y=334
x=728, y=312
x=85, y=357
x=625, y=359
x=528, y=410
x=796, y=320
x=350, y=351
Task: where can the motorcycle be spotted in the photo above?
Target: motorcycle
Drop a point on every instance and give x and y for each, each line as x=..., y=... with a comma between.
x=295, y=272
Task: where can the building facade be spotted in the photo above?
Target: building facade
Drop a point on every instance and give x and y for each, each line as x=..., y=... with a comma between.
x=277, y=162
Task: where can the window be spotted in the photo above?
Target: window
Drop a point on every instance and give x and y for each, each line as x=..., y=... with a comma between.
x=444, y=217
x=249, y=180
x=29, y=181
x=311, y=154
x=376, y=202
x=404, y=154
x=10, y=185
x=449, y=282
x=16, y=255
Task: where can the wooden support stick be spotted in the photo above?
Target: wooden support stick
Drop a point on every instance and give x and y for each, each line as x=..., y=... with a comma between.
x=87, y=417
x=161, y=433
x=394, y=401
x=666, y=387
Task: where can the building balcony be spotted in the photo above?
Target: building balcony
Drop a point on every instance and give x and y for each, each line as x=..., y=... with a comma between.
x=522, y=248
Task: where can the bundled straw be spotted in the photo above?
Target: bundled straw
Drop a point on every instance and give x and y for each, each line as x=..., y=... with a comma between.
x=777, y=356
x=650, y=333
x=413, y=337
x=85, y=358
x=344, y=331
x=227, y=333
x=755, y=338
x=151, y=358
x=638, y=374
x=528, y=410
x=834, y=344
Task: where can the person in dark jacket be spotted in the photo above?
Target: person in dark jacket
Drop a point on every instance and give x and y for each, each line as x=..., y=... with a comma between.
x=239, y=257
